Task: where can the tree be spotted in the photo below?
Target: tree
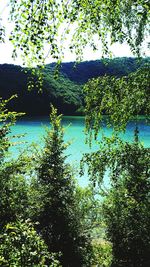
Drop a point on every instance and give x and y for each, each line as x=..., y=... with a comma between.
x=126, y=202
x=122, y=99
x=126, y=209
x=39, y=22
x=56, y=204
x=13, y=185
x=19, y=243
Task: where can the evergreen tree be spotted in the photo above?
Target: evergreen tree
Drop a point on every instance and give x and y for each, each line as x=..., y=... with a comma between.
x=58, y=215
x=19, y=243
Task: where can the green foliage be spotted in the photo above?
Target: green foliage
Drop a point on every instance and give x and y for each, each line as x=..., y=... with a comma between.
x=13, y=187
x=115, y=155
x=119, y=98
x=19, y=243
x=83, y=71
x=118, y=21
x=126, y=204
x=13, y=191
x=127, y=207
x=89, y=207
x=7, y=119
x=20, y=246
x=51, y=200
x=65, y=92
x=56, y=205
x=37, y=23
x=2, y=33
x=66, y=95
x=102, y=253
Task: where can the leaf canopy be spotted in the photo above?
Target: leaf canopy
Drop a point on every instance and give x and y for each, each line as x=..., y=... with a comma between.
x=121, y=99
x=52, y=22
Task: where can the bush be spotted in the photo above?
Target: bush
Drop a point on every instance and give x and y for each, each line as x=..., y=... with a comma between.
x=102, y=253
x=13, y=185
x=20, y=246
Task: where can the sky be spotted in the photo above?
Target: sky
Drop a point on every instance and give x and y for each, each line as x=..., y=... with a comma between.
x=118, y=50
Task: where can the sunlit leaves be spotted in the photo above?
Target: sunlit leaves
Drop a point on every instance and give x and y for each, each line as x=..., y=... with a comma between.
x=7, y=119
x=126, y=207
x=36, y=23
x=20, y=245
x=118, y=158
x=120, y=98
x=2, y=32
x=51, y=22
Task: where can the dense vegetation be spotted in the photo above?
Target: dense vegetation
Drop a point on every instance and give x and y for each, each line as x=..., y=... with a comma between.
x=65, y=92
x=83, y=71
x=46, y=220
x=46, y=205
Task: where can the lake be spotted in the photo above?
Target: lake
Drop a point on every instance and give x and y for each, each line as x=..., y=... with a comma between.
x=34, y=130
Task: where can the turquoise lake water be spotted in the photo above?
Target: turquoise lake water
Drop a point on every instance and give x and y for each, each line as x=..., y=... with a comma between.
x=34, y=129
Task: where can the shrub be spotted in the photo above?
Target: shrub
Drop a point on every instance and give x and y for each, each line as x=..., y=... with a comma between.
x=20, y=246
x=102, y=253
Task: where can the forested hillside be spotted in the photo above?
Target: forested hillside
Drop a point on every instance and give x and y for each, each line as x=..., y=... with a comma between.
x=62, y=92
x=65, y=92
x=86, y=70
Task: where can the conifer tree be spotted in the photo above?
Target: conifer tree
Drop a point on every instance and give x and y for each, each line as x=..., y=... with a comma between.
x=58, y=216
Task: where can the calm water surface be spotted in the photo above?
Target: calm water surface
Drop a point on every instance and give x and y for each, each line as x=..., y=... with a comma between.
x=34, y=130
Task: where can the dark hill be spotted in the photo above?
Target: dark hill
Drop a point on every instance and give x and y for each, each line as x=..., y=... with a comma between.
x=65, y=92
x=82, y=72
